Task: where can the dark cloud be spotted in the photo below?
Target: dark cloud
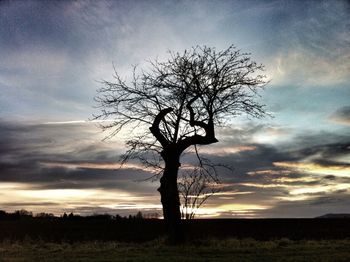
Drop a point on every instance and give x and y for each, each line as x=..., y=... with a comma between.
x=63, y=25
x=330, y=203
x=255, y=172
x=319, y=147
x=19, y=205
x=69, y=156
x=28, y=150
x=341, y=116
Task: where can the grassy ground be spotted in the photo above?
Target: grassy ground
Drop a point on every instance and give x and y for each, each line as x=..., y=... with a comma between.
x=205, y=250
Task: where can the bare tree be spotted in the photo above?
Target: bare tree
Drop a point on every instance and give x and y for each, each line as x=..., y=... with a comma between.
x=175, y=105
x=195, y=187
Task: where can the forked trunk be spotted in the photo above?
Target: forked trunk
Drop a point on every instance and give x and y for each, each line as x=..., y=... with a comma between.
x=170, y=200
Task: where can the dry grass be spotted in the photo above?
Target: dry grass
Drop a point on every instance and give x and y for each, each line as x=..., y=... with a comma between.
x=157, y=250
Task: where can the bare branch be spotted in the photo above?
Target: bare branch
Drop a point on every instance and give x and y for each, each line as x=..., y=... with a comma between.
x=155, y=127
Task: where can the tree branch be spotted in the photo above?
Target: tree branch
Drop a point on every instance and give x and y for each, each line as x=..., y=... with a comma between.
x=155, y=130
x=196, y=139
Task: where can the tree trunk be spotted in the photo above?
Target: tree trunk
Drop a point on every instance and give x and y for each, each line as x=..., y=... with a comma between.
x=170, y=199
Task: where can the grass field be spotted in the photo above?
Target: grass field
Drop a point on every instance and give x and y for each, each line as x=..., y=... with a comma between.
x=156, y=250
x=86, y=239
x=83, y=229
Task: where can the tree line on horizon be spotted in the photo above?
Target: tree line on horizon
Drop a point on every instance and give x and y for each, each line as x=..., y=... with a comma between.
x=24, y=214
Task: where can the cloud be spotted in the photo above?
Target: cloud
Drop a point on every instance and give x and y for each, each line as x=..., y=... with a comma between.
x=309, y=174
x=313, y=168
x=221, y=151
x=69, y=158
x=95, y=166
x=341, y=116
x=306, y=206
x=316, y=46
x=60, y=200
x=269, y=172
x=304, y=68
x=321, y=189
x=252, y=133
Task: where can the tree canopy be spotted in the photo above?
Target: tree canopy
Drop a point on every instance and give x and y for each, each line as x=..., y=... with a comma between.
x=181, y=100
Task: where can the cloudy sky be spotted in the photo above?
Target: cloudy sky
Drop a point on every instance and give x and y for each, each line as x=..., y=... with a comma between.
x=53, y=53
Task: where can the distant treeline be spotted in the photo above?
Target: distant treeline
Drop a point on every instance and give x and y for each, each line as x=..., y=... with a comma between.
x=24, y=214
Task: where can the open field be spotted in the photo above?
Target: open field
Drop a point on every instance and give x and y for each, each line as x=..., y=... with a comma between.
x=156, y=250
x=130, y=230
x=86, y=239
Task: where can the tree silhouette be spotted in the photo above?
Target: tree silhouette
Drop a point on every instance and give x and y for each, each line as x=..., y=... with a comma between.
x=195, y=187
x=175, y=105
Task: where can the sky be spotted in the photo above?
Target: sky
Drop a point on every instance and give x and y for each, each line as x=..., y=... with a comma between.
x=54, y=53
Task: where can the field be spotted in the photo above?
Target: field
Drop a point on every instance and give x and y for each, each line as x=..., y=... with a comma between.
x=86, y=239
x=156, y=250
x=140, y=230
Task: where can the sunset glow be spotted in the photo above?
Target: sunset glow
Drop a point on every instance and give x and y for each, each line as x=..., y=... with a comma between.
x=337, y=170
